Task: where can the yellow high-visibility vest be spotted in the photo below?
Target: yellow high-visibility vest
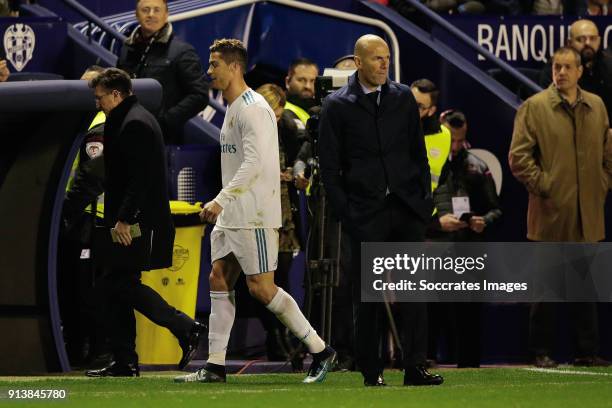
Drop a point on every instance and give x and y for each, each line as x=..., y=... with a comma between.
x=98, y=119
x=302, y=116
x=299, y=112
x=438, y=147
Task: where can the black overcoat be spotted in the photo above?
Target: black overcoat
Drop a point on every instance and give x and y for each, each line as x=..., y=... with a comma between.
x=136, y=187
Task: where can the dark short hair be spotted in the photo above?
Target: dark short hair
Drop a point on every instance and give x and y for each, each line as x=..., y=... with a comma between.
x=165, y=2
x=231, y=50
x=300, y=61
x=427, y=86
x=568, y=50
x=113, y=79
x=455, y=118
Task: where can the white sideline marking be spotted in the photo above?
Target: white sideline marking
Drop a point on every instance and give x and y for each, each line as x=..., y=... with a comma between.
x=555, y=371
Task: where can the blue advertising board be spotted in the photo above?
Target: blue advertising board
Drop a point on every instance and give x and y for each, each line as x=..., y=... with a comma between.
x=522, y=41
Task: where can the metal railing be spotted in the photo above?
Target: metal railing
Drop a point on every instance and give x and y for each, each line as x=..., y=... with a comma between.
x=93, y=18
x=504, y=66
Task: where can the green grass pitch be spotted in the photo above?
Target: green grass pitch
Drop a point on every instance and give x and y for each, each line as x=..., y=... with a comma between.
x=468, y=388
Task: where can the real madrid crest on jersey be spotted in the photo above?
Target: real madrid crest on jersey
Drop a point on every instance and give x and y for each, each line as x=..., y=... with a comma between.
x=19, y=41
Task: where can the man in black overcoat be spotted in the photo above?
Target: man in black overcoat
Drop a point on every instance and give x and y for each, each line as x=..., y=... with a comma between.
x=136, y=193
x=374, y=169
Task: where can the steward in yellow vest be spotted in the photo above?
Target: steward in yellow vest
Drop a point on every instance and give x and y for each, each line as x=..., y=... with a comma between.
x=438, y=145
x=301, y=114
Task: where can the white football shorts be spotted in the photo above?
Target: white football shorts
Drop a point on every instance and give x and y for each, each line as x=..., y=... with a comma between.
x=255, y=249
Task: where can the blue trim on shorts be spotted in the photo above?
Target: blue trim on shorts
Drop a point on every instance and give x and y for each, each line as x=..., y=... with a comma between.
x=260, y=251
x=265, y=248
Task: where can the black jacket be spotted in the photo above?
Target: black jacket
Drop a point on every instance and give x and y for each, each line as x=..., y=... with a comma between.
x=136, y=187
x=364, y=150
x=465, y=175
x=597, y=80
x=177, y=67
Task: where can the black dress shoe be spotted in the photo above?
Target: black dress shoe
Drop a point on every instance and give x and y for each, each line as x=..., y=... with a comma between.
x=378, y=382
x=190, y=344
x=418, y=375
x=116, y=370
x=543, y=361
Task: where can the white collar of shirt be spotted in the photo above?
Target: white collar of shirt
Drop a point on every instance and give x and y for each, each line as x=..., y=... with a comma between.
x=367, y=91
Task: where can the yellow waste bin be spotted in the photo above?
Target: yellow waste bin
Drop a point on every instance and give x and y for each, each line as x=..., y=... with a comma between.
x=178, y=285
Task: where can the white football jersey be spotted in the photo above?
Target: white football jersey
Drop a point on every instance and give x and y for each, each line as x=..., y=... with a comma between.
x=250, y=168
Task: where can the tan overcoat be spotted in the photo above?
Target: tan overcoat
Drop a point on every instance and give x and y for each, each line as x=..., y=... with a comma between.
x=565, y=162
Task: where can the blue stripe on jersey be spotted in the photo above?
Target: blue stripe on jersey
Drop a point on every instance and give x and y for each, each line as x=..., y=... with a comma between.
x=248, y=98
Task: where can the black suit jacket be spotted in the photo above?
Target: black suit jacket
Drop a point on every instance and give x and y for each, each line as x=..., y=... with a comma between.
x=135, y=176
x=364, y=151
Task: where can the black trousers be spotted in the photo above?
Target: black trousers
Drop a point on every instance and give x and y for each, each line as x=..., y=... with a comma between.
x=81, y=304
x=583, y=319
x=396, y=222
x=459, y=323
x=125, y=293
x=343, y=329
x=582, y=316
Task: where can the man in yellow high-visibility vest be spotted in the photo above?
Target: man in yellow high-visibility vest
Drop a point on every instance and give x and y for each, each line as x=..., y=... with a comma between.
x=300, y=85
x=437, y=136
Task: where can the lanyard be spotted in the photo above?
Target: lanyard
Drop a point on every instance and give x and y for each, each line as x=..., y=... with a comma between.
x=146, y=51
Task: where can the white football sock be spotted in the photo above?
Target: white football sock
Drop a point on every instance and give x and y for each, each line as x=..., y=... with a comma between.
x=222, y=313
x=288, y=312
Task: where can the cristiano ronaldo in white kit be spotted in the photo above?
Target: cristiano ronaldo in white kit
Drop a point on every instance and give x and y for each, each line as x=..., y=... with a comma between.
x=250, y=197
x=247, y=214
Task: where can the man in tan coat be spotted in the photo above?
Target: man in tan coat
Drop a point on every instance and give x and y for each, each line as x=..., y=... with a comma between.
x=561, y=151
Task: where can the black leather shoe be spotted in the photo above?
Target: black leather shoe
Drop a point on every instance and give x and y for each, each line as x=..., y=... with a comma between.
x=379, y=382
x=418, y=375
x=190, y=344
x=543, y=361
x=116, y=370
